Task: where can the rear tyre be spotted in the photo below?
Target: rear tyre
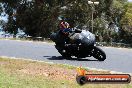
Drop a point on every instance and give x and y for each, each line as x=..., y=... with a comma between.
x=99, y=54
x=64, y=54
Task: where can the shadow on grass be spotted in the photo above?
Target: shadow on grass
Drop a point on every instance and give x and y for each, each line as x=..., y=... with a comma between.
x=63, y=58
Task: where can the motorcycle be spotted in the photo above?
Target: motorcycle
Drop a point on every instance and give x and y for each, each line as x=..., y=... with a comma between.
x=78, y=43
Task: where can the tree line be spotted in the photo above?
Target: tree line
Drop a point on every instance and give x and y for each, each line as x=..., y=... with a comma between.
x=112, y=18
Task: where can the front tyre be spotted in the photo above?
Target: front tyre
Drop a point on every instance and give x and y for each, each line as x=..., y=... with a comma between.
x=99, y=54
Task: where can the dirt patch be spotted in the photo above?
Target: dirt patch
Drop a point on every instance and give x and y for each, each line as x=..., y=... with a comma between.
x=49, y=71
x=3, y=63
x=53, y=72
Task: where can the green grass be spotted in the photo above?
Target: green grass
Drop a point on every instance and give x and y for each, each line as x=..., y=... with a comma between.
x=30, y=81
x=11, y=77
x=26, y=81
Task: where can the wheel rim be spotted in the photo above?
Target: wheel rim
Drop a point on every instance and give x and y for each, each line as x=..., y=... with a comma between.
x=100, y=56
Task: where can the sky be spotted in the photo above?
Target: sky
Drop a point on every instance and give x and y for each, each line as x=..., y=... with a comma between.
x=130, y=0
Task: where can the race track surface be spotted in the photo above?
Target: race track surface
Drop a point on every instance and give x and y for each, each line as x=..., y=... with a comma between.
x=117, y=59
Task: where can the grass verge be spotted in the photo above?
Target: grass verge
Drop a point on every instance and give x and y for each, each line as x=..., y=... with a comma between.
x=117, y=45
x=16, y=73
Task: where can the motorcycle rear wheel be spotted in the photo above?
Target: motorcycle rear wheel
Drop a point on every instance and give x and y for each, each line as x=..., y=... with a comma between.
x=65, y=55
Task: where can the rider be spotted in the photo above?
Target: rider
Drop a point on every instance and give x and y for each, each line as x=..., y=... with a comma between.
x=64, y=26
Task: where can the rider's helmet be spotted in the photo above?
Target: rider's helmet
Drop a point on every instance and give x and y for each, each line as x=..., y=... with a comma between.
x=62, y=20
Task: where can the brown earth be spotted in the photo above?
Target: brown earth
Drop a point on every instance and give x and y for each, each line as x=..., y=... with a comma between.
x=43, y=69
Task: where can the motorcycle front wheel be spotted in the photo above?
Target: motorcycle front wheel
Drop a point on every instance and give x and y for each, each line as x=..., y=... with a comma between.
x=99, y=54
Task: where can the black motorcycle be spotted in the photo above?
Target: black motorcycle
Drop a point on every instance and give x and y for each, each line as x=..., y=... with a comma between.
x=78, y=43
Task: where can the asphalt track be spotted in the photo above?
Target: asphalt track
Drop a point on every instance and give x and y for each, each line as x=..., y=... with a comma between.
x=118, y=59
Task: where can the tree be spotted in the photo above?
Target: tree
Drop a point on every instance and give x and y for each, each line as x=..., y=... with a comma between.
x=126, y=24
x=39, y=17
x=9, y=7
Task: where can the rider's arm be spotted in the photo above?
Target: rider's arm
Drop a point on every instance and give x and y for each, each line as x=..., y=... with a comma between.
x=67, y=25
